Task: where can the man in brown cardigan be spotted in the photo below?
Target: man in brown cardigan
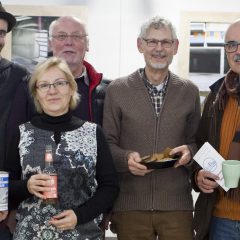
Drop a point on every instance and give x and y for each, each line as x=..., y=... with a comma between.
x=144, y=113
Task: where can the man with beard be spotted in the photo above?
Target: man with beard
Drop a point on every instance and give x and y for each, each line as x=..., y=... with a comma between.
x=217, y=213
x=11, y=75
x=144, y=113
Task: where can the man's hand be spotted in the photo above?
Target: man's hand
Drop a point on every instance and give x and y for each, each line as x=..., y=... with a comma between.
x=134, y=166
x=184, y=153
x=206, y=181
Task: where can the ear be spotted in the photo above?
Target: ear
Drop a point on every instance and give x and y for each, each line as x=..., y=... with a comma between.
x=36, y=97
x=87, y=45
x=49, y=45
x=139, y=45
x=175, y=49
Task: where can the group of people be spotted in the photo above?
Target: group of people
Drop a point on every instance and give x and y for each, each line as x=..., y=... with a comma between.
x=64, y=103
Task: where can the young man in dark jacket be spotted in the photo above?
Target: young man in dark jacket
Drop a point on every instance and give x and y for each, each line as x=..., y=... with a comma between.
x=11, y=75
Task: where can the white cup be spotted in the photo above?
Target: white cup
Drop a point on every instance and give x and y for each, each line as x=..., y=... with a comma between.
x=231, y=173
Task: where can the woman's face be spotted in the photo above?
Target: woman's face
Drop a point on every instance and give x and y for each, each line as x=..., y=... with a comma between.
x=54, y=92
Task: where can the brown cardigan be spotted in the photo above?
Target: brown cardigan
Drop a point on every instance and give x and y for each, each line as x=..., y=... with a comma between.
x=130, y=124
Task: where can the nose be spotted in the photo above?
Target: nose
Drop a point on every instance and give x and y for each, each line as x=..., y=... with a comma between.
x=52, y=89
x=159, y=46
x=69, y=40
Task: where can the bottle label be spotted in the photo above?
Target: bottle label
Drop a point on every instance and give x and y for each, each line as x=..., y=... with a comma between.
x=53, y=188
x=48, y=157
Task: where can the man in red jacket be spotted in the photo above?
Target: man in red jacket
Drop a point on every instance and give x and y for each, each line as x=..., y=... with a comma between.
x=68, y=39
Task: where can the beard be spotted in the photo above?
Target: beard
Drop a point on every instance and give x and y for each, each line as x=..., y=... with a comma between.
x=159, y=66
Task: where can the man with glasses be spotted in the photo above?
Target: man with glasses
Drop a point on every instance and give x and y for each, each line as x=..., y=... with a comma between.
x=11, y=75
x=144, y=113
x=68, y=39
x=217, y=213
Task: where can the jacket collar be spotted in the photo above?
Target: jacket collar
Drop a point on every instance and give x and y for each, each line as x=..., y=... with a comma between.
x=4, y=64
x=136, y=81
x=94, y=77
x=216, y=86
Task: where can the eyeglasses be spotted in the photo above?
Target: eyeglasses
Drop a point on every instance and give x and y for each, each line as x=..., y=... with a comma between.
x=64, y=36
x=231, y=46
x=165, y=43
x=3, y=33
x=59, y=85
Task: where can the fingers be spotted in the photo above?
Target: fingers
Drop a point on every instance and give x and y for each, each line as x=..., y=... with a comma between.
x=206, y=181
x=134, y=166
x=39, y=183
x=66, y=220
x=185, y=154
x=3, y=215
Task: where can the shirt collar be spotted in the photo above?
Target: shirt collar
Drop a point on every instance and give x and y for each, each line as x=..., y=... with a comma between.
x=84, y=75
x=150, y=86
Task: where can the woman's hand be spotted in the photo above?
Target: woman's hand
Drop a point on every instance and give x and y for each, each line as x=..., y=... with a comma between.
x=66, y=220
x=39, y=183
x=3, y=215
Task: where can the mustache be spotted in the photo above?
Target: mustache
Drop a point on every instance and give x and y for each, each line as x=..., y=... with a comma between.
x=160, y=54
x=236, y=58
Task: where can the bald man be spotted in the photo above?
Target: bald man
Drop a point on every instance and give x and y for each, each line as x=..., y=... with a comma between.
x=217, y=213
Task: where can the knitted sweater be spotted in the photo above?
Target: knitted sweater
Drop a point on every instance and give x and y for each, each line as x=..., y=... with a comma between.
x=130, y=124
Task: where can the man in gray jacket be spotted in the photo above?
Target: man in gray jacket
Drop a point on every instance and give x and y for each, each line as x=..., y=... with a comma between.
x=144, y=113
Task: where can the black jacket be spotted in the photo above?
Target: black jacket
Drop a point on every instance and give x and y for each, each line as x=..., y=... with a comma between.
x=11, y=75
x=209, y=131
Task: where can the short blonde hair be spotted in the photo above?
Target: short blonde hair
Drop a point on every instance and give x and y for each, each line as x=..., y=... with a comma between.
x=39, y=71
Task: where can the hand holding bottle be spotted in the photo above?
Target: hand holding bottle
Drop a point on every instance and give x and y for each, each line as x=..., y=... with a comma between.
x=38, y=184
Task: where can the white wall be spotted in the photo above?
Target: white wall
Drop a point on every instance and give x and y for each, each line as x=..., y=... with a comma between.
x=114, y=25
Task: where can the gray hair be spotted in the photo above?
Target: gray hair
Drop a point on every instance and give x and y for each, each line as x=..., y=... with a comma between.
x=157, y=23
x=66, y=18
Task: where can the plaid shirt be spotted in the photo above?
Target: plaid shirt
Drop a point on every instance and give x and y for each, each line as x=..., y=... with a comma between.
x=157, y=96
